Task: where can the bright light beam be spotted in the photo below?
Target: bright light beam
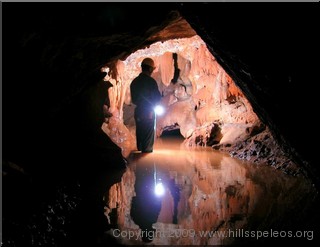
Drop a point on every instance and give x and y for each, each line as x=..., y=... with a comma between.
x=159, y=110
x=159, y=189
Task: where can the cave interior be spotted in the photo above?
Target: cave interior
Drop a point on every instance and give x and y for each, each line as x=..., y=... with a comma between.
x=239, y=78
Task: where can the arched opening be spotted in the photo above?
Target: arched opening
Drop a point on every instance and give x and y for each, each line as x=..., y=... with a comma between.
x=198, y=95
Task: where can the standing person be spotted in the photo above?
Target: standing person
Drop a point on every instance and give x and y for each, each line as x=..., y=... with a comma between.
x=145, y=95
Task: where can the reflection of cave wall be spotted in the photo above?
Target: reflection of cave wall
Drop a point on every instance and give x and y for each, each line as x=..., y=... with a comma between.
x=214, y=194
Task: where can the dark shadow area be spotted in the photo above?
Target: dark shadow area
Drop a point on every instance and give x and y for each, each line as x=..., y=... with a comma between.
x=54, y=180
x=55, y=209
x=171, y=133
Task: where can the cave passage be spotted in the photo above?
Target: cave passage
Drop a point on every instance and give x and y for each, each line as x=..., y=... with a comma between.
x=232, y=88
x=198, y=95
x=202, y=190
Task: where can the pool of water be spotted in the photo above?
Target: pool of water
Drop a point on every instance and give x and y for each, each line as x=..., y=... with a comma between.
x=179, y=195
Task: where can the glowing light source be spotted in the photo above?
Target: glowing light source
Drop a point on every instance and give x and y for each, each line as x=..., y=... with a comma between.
x=158, y=186
x=159, y=110
x=159, y=189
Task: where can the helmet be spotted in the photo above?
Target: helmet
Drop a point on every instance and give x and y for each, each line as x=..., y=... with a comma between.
x=148, y=61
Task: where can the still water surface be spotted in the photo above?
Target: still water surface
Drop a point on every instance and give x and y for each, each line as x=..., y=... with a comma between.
x=198, y=196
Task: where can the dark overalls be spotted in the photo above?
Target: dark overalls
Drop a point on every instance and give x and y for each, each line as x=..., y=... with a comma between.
x=145, y=95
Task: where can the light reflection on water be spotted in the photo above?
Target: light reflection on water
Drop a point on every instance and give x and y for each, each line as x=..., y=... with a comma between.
x=204, y=190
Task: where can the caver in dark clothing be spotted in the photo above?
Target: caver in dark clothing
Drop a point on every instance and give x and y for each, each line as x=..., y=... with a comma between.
x=145, y=95
x=145, y=124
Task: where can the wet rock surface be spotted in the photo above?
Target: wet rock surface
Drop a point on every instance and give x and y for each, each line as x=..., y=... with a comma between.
x=54, y=93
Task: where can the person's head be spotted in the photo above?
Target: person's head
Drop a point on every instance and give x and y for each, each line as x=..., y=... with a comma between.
x=147, y=65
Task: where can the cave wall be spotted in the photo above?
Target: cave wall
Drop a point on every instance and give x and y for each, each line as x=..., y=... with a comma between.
x=203, y=94
x=53, y=89
x=263, y=60
x=49, y=61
